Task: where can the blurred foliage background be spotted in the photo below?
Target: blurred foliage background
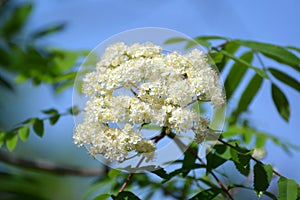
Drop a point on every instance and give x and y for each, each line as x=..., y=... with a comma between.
x=37, y=74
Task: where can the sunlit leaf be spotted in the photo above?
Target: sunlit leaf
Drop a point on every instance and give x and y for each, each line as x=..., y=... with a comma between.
x=102, y=197
x=283, y=77
x=249, y=93
x=23, y=133
x=11, y=141
x=175, y=40
x=287, y=189
x=278, y=53
x=236, y=74
x=243, y=62
x=281, y=103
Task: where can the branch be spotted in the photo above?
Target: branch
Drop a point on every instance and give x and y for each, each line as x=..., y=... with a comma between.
x=47, y=166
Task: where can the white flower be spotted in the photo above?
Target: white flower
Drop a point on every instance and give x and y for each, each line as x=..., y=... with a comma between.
x=155, y=88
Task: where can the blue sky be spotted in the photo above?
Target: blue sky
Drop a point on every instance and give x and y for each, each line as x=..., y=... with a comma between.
x=89, y=22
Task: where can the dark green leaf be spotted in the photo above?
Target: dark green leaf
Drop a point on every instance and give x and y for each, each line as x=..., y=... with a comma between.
x=274, y=52
x=102, y=197
x=189, y=158
x=241, y=160
x=125, y=195
x=51, y=111
x=54, y=119
x=38, y=127
x=243, y=62
x=249, y=93
x=281, y=103
x=175, y=40
x=283, y=77
x=161, y=173
x=17, y=20
x=207, y=194
x=23, y=133
x=213, y=161
x=287, y=189
x=11, y=141
x=48, y=30
x=236, y=74
x=261, y=178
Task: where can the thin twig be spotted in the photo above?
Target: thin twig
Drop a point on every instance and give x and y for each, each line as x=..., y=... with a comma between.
x=47, y=166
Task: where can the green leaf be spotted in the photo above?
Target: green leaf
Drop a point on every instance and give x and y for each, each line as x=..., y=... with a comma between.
x=249, y=93
x=213, y=161
x=217, y=57
x=211, y=37
x=11, y=141
x=207, y=194
x=290, y=81
x=278, y=53
x=17, y=19
x=281, y=103
x=54, y=119
x=51, y=111
x=38, y=127
x=189, y=158
x=113, y=173
x=50, y=29
x=23, y=133
x=231, y=48
x=125, y=195
x=202, y=42
x=294, y=48
x=287, y=189
x=260, y=140
x=236, y=74
x=102, y=197
x=261, y=178
x=243, y=62
x=2, y=137
x=241, y=160
x=175, y=40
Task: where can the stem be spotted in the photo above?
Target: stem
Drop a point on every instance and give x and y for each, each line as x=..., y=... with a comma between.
x=47, y=166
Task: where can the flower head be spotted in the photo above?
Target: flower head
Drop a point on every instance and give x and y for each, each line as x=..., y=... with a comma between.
x=137, y=85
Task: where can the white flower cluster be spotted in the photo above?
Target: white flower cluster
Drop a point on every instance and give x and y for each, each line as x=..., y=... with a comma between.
x=156, y=88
